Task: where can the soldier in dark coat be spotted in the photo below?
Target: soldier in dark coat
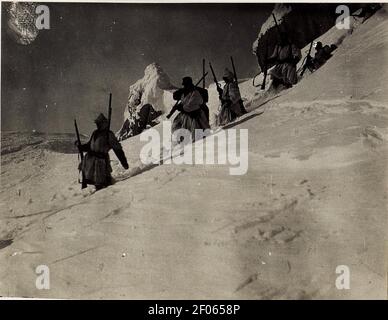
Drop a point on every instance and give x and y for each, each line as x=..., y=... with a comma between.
x=204, y=94
x=322, y=54
x=96, y=164
x=192, y=115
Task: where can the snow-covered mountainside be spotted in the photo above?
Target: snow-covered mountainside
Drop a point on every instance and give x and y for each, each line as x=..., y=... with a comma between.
x=154, y=88
x=314, y=198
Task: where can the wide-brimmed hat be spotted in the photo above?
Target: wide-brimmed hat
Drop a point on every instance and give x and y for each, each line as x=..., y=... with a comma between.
x=187, y=81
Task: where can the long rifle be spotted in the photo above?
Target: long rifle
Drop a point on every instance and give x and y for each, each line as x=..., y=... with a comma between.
x=236, y=79
x=308, y=59
x=260, y=70
x=276, y=24
x=109, y=110
x=261, y=67
x=265, y=71
x=219, y=89
x=174, y=108
x=203, y=72
x=234, y=70
x=81, y=156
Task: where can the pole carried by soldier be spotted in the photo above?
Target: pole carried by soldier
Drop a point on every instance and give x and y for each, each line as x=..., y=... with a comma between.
x=81, y=157
x=276, y=23
x=203, y=74
x=263, y=67
x=219, y=89
x=243, y=111
x=109, y=111
x=204, y=93
x=308, y=58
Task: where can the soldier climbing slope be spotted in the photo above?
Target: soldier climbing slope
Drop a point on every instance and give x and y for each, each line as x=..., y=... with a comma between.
x=204, y=94
x=191, y=106
x=95, y=166
x=322, y=54
x=286, y=55
x=230, y=100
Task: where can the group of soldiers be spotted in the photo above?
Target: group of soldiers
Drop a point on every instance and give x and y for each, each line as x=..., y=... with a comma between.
x=193, y=111
x=193, y=114
x=322, y=54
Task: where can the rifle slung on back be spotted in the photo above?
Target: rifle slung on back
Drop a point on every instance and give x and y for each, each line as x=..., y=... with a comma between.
x=175, y=107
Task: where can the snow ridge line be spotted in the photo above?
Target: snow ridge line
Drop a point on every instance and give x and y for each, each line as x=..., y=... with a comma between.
x=334, y=102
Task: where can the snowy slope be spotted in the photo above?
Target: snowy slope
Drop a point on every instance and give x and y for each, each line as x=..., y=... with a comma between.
x=314, y=198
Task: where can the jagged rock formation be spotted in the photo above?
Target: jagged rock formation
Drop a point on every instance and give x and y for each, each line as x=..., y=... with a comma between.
x=154, y=89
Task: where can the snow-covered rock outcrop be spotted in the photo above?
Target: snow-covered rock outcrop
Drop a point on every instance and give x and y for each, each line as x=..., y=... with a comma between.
x=302, y=22
x=334, y=36
x=154, y=88
x=279, y=11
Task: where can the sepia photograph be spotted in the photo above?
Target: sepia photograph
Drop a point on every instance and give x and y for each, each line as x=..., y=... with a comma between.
x=194, y=151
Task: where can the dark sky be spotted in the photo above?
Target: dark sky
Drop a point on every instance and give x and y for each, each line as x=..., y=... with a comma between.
x=93, y=49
